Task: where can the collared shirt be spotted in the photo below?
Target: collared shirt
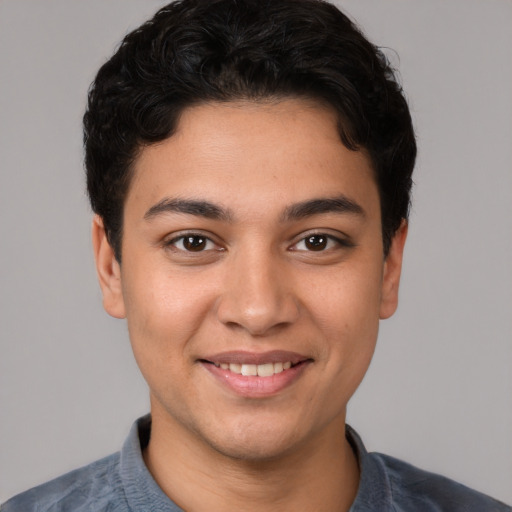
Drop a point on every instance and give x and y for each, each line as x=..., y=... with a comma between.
x=122, y=483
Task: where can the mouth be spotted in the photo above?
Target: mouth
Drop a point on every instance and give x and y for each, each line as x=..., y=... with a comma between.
x=256, y=375
x=261, y=370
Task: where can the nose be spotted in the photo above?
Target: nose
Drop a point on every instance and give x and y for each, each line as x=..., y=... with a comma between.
x=257, y=295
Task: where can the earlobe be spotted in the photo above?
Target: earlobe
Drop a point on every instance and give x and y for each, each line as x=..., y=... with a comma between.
x=108, y=270
x=392, y=272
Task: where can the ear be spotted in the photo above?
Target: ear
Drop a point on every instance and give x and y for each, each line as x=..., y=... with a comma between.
x=392, y=271
x=108, y=270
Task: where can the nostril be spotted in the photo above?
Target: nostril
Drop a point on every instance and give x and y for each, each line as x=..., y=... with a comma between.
x=257, y=302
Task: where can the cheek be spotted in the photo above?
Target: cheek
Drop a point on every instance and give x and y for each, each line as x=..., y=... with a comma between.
x=347, y=299
x=346, y=311
x=163, y=312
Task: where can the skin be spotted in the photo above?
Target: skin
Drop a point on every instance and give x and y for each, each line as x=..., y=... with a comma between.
x=255, y=285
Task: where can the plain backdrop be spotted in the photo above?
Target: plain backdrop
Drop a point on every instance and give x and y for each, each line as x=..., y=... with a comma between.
x=439, y=391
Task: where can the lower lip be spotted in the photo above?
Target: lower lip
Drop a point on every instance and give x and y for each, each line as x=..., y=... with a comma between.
x=254, y=386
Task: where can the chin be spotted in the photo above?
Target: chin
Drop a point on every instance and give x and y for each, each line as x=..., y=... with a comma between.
x=250, y=449
x=253, y=441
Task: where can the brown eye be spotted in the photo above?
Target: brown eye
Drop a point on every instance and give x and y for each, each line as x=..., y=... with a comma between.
x=194, y=243
x=322, y=243
x=192, y=247
x=316, y=242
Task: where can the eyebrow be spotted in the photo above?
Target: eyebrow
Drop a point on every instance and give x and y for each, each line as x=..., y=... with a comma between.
x=198, y=208
x=297, y=211
x=339, y=204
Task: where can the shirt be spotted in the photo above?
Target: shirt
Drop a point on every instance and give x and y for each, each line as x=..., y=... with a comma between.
x=122, y=483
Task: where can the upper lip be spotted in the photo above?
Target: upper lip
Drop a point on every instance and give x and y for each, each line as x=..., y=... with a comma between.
x=243, y=357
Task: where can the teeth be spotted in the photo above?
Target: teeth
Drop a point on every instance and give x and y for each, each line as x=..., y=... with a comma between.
x=265, y=370
x=235, y=368
x=249, y=369
x=261, y=370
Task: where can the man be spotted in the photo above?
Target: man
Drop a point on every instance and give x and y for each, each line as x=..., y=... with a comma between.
x=249, y=166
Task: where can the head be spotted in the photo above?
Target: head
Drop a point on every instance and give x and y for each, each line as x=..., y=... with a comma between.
x=196, y=51
x=251, y=182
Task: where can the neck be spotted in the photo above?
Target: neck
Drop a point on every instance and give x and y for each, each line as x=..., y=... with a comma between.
x=321, y=474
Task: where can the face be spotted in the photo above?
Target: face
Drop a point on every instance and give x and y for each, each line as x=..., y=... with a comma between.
x=252, y=275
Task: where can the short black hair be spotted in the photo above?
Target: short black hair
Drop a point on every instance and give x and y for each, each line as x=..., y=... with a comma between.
x=197, y=51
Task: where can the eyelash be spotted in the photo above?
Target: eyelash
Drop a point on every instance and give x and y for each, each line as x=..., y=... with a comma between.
x=329, y=241
x=181, y=239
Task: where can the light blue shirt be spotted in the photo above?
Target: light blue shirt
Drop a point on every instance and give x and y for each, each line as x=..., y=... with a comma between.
x=122, y=483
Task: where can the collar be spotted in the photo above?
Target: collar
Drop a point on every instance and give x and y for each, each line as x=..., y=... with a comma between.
x=374, y=492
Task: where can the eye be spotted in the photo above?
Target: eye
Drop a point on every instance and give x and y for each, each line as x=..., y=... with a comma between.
x=192, y=243
x=317, y=242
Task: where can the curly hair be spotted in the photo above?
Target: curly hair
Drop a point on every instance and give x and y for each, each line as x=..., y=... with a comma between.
x=196, y=51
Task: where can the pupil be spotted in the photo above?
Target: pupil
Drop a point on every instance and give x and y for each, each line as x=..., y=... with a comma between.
x=316, y=242
x=194, y=243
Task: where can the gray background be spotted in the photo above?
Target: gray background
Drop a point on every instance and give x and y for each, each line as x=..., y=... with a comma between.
x=439, y=392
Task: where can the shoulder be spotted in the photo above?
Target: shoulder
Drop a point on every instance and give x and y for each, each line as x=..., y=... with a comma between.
x=96, y=486
x=415, y=489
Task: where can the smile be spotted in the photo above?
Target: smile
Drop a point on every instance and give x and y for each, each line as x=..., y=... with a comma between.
x=261, y=370
x=254, y=375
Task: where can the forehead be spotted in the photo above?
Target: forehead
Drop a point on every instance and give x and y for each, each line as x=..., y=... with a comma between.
x=253, y=154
